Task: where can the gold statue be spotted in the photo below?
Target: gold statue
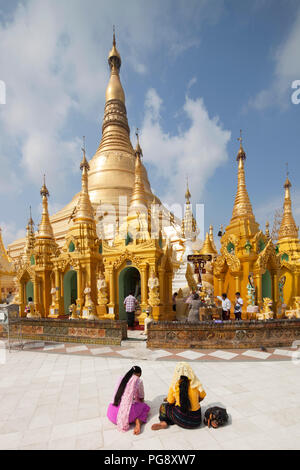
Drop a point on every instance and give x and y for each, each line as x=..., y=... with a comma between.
x=267, y=313
x=153, y=285
x=89, y=309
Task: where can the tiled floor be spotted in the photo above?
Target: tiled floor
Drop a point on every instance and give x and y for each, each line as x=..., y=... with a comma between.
x=136, y=347
x=58, y=401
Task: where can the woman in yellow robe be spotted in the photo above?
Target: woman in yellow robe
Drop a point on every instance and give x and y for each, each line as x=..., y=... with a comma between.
x=182, y=406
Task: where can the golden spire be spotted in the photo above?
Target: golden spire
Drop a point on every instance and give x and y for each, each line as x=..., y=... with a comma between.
x=189, y=226
x=138, y=197
x=187, y=194
x=242, y=205
x=114, y=89
x=207, y=247
x=211, y=236
x=288, y=227
x=45, y=227
x=115, y=129
x=29, y=233
x=84, y=209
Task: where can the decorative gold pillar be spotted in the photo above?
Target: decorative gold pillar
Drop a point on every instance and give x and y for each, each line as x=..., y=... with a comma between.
x=144, y=294
x=258, y=284
x=112, y=302
x=275, y=291
x=79, y=301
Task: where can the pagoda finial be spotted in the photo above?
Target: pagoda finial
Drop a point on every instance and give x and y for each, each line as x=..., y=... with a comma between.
x=138, y=150
x=288, y=227
x=187, y=194
x=114, y=36
x=241, y=154
x=44, y=190
x=84, y=163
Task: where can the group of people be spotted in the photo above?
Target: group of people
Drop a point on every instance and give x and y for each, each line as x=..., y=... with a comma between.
x=226, y=306
x=180, y=407
x=195, y=303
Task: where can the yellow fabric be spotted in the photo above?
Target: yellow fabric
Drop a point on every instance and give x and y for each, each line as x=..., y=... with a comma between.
x=194, y=396
x=183, y=368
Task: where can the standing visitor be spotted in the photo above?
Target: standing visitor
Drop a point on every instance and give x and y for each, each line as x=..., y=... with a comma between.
x=128, y=406
x=130, y=306
x=174, y=301
x=182, y=406
x=226, y=306
x=195, y=305
x=238, y=306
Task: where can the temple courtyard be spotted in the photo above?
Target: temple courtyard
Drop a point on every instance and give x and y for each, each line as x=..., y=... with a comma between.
x=54, y=399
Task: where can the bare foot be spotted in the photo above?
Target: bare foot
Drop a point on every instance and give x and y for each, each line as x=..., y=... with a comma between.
x=137, y=429
x=158, y=426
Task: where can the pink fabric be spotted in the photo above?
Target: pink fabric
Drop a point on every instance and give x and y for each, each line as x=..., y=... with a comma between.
x=130, y=393
x=130, y=405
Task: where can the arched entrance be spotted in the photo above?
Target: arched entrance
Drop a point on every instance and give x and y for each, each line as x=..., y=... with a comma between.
x=70, y=289
x=129, y=282
x=267, y=285
x=29, y=291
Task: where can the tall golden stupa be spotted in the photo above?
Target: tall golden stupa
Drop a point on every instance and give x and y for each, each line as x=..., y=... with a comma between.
x=289, y=250
x=246, y=251
x=112, y=169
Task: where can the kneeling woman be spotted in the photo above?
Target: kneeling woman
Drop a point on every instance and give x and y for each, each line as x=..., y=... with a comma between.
x=128, y=406
x=182, y=406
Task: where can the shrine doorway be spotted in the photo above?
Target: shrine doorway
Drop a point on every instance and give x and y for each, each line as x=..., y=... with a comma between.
x=29, y=291
x=70, y=289
x=267, y=285
x=129, y=283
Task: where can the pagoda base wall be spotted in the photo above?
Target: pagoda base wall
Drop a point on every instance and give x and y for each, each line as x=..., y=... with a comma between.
x=231, y=335
x=72, y=331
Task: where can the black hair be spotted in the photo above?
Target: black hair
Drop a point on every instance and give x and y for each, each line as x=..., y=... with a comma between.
x=29, y=299
x=185, y=403
x=237, y=293
x=196, y=296
x=118, y=396
x=224, y=295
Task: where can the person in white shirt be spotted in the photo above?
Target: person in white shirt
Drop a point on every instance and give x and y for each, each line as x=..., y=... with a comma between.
x=226, y=306
x=238, y=306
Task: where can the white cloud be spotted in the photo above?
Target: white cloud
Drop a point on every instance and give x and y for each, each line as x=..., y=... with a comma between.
x=286, y=70
x=202, y=145
x=52, y=60
x=10, y=232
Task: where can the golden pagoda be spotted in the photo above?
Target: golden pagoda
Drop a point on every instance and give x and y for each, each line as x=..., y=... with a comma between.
x=68, y=267
x=111, y=174
x=246, y=250
x=288, y=246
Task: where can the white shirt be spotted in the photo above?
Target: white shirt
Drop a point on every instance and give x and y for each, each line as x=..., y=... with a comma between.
x=240, y=302
x=226, y=304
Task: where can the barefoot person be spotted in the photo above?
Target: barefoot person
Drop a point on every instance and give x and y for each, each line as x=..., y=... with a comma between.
x=182, y=406
x=128, y=406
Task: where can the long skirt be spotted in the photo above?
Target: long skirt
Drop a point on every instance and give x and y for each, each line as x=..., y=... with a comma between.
x=172, y=414
x=139, y=410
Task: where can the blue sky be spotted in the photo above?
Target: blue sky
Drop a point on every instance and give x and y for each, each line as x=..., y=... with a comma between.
x=194, y=73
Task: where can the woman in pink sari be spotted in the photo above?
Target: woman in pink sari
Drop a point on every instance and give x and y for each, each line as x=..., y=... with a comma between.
x=128, y=406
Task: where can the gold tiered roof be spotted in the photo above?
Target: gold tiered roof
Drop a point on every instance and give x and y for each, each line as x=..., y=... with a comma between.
x=84, y=209
x=242, y=209
x=45, y=228
x=138, y=198
x=288, y=227
x=207, y=247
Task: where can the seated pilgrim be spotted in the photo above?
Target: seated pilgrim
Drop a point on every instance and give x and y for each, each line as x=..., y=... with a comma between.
x=182, y=406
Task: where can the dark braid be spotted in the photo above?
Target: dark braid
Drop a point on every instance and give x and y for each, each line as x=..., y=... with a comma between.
x=124, y=382
x=185, y=404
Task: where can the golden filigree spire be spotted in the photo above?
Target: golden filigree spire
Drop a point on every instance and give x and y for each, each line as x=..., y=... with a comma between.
x=114, y=90
x=188, y=226
x=242, y=205
x=207, y=247
x=30, y=238
x=45, y=227
x=115, y=129
x=84, y=209
x=138, y=198
x=187, y=194
x=211, y=236
x=288, y=227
